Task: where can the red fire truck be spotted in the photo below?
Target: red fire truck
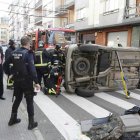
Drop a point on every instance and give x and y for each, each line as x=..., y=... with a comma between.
x=52, y=36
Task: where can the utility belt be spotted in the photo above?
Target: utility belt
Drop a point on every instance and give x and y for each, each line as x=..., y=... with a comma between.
x=20, y=78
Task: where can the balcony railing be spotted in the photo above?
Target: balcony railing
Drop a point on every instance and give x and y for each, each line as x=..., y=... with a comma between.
x=132, y=12
x=38, y=4
x=69, y=4
x=61, y=10
x=38, y=19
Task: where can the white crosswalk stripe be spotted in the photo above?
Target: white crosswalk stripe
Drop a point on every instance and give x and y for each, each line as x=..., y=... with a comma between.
x=132, y=94
x=88, y=106
x=138, y=89
x=114, y=100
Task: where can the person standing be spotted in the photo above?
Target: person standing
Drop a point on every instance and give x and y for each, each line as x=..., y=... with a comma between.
x=8, y=52
x=10, y=49
x=24, y=74
x=1, y=74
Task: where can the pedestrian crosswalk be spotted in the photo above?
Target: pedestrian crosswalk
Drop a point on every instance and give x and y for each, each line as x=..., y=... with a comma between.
x=119, y=102
x=65, y=111
x=132, y=94
x=90, y=107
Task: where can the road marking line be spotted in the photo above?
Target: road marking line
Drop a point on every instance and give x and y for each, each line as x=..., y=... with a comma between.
x=114, y=100
x=138, y=89
x=88, y=106
x=36, y=131
x=132, y=94
x=65, y=124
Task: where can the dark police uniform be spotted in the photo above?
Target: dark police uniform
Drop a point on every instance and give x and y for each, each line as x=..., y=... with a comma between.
x=24, y=73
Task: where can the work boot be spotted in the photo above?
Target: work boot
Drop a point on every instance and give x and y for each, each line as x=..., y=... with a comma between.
x=32, y=124
x=13, y=120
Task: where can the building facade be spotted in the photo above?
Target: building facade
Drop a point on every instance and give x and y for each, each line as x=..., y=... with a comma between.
x=20, y=21
x=58, y=13
x=110, y=22
x=16, y=21
x=105, y=22
x=29, y=15
x=4, y=30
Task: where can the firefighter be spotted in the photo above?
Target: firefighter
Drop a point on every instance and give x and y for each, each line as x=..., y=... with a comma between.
x=58, y=54
x=54, y=77
x=8, y=52
x=24, y=74
x=42, y=63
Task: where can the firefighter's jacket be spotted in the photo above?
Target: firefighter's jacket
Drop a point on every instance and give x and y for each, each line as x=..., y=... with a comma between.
x=42, y=60
x=57, y=55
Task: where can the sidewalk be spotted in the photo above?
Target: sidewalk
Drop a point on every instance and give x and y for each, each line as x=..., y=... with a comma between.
x=19, y=131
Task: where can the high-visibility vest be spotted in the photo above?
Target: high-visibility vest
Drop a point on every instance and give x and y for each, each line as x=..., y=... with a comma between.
x=39, y=60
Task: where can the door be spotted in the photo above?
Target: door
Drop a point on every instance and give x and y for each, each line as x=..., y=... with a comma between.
x=117, y=39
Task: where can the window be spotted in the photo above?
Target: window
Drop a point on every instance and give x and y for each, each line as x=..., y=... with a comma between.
x=81, y=14
x=48, y=8
x=50, y=24
x=3, y=31
x=4, y=21
x=111, y=5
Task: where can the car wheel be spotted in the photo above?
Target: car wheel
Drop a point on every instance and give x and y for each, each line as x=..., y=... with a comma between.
x=84, y=92
x=81, y=66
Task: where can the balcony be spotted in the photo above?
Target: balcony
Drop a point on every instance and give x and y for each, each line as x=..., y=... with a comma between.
x=69, y=4
x=70, y=26
x=132, y=12
x=38, y=5
x=61, y=10
x=38, y=20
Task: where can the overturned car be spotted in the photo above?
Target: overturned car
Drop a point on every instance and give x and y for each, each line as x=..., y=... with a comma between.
x=92, y=67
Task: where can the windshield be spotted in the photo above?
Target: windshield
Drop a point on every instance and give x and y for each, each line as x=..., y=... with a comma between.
x=61, y=37
x=70, y=36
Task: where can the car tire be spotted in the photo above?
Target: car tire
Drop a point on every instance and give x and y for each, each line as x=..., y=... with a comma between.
x=84, y=92
x=81, y=66
x=88, y=48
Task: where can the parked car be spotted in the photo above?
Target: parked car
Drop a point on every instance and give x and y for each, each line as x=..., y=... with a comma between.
x=91, y=67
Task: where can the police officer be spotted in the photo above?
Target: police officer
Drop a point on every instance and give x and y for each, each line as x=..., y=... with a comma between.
x=10, y=49
x=24, y=73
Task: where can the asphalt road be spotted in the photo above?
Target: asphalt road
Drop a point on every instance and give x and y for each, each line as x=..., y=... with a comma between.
x=59, y=117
